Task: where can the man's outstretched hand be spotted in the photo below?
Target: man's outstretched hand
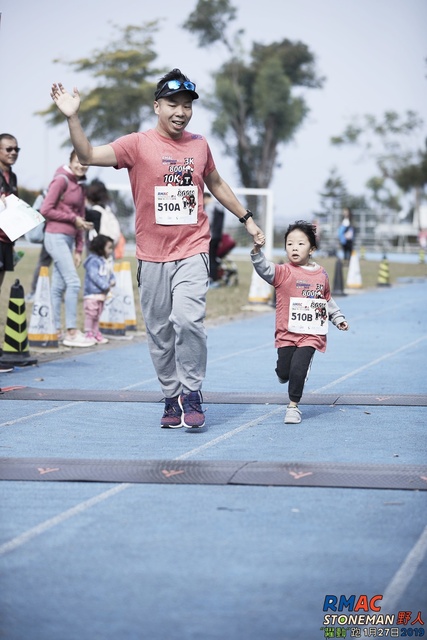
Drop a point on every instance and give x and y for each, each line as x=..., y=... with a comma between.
x=66, y=102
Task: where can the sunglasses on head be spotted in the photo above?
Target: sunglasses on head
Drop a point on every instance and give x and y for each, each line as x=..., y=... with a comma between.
x=10, y=149
x=173, y=85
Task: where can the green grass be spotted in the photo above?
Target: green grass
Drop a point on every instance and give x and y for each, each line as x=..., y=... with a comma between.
x=224, y=303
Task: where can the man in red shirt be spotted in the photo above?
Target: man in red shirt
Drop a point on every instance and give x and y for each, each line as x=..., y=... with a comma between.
x=168, y=168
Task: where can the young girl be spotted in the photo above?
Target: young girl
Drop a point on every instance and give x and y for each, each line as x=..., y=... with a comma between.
x=303, y=305
x=99, y=279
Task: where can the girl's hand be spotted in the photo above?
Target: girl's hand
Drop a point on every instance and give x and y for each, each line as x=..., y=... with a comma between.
x=343, y=326
x=257, y=247
x=259, y=238
x=253, y=229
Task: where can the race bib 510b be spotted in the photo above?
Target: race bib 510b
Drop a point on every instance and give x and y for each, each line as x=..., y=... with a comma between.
x=308, y=315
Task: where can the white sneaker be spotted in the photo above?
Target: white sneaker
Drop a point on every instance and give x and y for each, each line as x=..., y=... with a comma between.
x=292, y=415
x=78, y=340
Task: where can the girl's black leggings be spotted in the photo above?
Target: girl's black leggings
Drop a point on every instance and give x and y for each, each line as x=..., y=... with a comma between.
x=293, y=364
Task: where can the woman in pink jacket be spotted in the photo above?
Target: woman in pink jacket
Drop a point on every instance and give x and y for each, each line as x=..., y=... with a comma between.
x=64, y=210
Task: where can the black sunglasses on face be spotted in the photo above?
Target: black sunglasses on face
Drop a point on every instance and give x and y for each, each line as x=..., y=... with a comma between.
x=10, y=149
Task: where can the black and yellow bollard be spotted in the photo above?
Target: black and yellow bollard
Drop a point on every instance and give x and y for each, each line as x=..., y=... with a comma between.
x=383, y=273
x=15, y=346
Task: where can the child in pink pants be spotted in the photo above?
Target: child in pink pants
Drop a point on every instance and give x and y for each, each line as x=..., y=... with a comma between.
x=99, y=279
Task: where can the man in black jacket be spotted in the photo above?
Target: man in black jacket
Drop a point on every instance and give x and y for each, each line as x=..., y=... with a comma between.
x=216, y=224
x=8, y=184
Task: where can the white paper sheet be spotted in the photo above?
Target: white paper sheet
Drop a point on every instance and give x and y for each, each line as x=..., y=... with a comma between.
x=17, y=218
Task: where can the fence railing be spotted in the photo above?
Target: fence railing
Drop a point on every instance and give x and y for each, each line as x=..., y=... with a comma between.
x=375, y=230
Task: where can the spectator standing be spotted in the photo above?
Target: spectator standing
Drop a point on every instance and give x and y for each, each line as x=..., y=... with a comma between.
x=9, y=151
x=64, y=210
x=168, y=168
x=346, y=233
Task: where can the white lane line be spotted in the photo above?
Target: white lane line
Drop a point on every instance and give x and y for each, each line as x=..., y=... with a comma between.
x=370, y=364
x=13, y=544
x=31, y=533
x=39, y=413
x=406, y=572
x=229, y=434
x=27, y=536
x=135, y=384
x=380, y=312
x=233, y=354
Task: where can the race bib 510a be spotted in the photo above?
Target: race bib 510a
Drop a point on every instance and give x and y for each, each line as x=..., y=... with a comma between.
x=176, y=205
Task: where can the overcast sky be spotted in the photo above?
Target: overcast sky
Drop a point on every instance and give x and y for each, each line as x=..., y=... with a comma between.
x=372, y=53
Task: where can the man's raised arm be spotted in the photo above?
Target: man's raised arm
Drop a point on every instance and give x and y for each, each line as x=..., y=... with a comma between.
x=69, y=104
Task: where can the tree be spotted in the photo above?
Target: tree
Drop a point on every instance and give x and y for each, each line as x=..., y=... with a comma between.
x=413, y=176
x=385, y=141
x=123, y=98
x=382, y=194
x=335, y=195
x=210, y=21
x=255, y=107
x=334, y=192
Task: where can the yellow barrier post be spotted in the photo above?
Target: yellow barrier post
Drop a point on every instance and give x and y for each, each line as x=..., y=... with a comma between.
x=15, y=346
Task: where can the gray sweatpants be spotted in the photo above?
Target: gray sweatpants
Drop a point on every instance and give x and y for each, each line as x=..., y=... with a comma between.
x=173, y=304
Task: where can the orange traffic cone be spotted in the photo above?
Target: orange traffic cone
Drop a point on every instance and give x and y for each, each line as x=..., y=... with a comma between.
x=42, y=331
x=124, y=284
x=112, y=320
x=260, y=292
x=354, y=277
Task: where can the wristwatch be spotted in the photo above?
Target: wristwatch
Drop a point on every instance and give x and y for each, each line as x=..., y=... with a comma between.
x=245, y=218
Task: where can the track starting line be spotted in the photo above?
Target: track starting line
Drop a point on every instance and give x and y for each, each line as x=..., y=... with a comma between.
x=217, y=472
x=113, y=395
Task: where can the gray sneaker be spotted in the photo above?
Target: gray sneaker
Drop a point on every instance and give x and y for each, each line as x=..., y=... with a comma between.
x=171, y=418
x=192, y=413
x=292, y=415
